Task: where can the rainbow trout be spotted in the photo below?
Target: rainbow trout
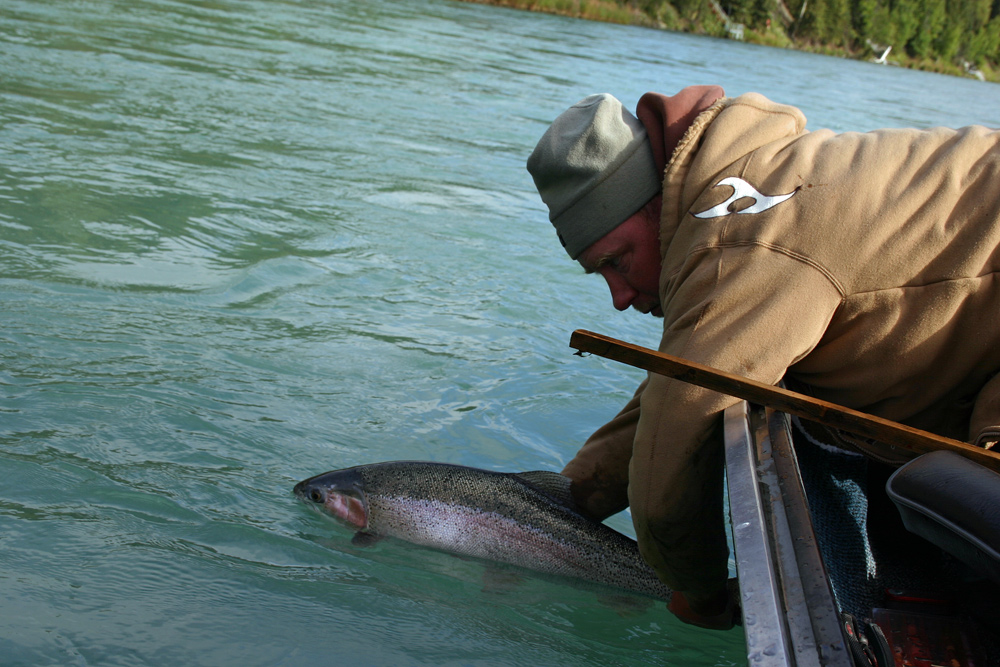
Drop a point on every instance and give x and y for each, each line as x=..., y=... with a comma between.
x=526, y=519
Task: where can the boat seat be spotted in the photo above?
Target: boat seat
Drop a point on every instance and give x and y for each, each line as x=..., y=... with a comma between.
x=955, y=504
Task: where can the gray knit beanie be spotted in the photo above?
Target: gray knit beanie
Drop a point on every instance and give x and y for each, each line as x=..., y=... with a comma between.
x=593, y=168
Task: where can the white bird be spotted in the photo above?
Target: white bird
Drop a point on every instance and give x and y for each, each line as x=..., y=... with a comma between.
x=881, y=59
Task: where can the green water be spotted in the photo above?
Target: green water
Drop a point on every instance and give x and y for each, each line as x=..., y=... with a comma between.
x=242, y=243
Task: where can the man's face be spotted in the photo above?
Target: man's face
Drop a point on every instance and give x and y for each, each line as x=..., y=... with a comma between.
x=628, y=258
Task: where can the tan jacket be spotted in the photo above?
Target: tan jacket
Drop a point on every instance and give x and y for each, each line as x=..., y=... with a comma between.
x=864, y=266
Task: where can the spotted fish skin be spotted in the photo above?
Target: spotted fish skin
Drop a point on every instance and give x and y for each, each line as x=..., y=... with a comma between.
x=525, y=519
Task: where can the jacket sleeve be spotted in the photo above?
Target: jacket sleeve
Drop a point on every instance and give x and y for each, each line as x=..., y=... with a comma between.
x=748, y=310
x=600, y=469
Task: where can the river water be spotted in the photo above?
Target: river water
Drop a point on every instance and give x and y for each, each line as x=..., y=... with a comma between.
x=244, y=242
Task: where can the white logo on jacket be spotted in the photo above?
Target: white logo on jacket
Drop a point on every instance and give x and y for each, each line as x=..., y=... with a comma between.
x=742, y=189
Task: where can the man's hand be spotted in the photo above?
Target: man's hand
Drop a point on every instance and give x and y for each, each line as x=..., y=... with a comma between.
x=719, y=612
x=596, y=499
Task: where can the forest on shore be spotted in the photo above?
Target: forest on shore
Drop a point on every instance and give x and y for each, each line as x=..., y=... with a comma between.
x=960, y=37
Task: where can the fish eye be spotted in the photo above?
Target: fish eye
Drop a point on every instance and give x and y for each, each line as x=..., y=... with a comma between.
x=316, y=496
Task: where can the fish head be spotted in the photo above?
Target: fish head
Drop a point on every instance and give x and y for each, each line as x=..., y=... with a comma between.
x=340, y=493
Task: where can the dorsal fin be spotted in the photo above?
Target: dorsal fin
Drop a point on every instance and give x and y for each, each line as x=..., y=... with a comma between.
x=552, y=484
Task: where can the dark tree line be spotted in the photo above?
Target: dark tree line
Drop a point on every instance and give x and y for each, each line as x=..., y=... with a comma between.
x=926, y=29
x=953, y=31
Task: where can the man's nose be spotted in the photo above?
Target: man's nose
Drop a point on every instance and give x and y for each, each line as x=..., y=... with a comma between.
x=622, y=294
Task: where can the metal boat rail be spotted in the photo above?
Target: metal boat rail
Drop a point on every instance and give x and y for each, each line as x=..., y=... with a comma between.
x=790, y=616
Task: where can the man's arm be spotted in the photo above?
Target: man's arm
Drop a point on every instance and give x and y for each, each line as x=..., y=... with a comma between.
x=600, y=469
x=747, y=310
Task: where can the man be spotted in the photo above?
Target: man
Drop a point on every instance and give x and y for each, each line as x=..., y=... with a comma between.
x=861, y=268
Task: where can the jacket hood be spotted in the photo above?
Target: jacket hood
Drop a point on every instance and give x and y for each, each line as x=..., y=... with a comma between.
x=666, y=118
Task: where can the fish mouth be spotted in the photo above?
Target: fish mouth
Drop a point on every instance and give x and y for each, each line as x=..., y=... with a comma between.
x=338, y=494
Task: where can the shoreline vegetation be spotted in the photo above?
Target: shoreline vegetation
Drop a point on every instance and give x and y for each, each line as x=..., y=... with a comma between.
x=956, y=37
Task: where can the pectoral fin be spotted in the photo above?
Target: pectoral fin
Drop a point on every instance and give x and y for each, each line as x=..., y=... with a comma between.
x=362, y=539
